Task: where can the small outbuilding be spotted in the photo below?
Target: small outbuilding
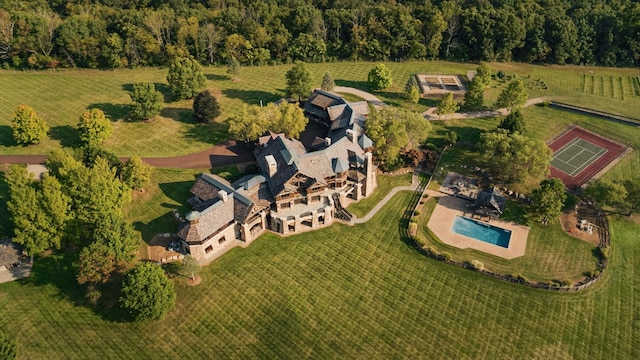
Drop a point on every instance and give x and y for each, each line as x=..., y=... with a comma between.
x=490, y=202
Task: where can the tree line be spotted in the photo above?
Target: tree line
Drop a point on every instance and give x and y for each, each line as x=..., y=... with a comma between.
x=123, y=33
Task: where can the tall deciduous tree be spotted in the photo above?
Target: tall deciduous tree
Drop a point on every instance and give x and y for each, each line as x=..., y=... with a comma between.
x=513, y=96
x=205, y=107
x=448, y=105
x=117, y=235
x=327, y=82
x=186, y=78
x=28, y=128
x=246, y=125
x=548, y=200
x=288, y=119
x=512, y=157
x=298, y=81
x=190, y=267
x=147, y=101
x=633, y=194
x=94, y=127
x=147, y=293
x=474, y=97
x=380, y=77
x=605, y=193
x=135, y=173
x=39, y=212
x=95, y=264
x=394, y=130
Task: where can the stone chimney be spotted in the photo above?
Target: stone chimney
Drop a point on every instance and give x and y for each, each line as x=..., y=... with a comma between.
x=223, y=195
x=327, y=141
x=370, y=173
x=351, y=135
x=272, y=165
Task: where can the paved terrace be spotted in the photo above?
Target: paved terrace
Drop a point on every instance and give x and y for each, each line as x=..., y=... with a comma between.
x=449, y=207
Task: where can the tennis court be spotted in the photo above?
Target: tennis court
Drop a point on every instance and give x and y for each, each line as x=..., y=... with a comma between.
x=579, y=155
x=575, y=156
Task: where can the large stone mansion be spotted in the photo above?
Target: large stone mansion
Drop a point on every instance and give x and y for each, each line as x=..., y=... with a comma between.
x=298, y=189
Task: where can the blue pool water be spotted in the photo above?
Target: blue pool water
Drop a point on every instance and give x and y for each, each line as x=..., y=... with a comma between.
x=481, y=231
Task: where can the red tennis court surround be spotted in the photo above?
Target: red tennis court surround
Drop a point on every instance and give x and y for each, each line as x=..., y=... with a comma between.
x=614, y=150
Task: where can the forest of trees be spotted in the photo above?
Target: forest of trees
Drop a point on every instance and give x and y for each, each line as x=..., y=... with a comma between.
x=125, y=33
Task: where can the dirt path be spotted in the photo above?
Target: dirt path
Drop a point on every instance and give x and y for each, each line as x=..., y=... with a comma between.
x=370, y=98
x=430, y=114
x=229, y=153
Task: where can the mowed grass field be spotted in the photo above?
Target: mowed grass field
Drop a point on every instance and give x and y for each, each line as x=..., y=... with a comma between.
x=60, y=97
x=341, y=292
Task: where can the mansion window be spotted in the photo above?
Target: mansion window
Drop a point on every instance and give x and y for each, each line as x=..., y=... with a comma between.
x=208, y=249
x=222, y=240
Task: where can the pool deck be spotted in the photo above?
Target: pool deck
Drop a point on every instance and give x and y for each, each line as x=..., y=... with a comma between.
x=445, y=213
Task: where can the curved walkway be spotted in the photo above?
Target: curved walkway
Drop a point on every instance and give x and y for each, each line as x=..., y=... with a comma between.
x=430, y=114
x=369, y=97
x=385, y=200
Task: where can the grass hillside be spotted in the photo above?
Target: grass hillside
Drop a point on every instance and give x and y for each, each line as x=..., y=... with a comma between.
x=339, y=292
x=60, y=97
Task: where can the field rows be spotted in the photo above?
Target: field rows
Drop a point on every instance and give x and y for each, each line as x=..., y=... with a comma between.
x=335, y=293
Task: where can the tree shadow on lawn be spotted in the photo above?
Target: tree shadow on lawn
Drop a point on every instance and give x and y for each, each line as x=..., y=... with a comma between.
x=58, y=270
x=214, y=133
x=251, y=97
x=182, y=115
x=217, y=77
x=360, y=85
x=6, y=136
x=67, y=135
x=114, y=112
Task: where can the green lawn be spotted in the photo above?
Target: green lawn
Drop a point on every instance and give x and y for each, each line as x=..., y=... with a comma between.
x=150, y=211
x=60, y=97
x=551, y=254
x=345, y=292
x=386, y=183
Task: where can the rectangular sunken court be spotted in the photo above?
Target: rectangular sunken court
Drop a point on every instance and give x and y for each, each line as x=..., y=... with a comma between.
x=575, y=156
x=579, y=155
x=431, y=84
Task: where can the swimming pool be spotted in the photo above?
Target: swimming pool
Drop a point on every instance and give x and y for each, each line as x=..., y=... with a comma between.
x=481, y=231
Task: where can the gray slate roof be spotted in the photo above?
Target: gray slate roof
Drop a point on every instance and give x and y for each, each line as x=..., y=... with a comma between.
x=491, y=198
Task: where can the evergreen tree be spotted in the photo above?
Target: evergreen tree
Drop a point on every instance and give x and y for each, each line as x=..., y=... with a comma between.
x=147, y=293
x=233, y=67
x=514, y=122
x=412, y=90
x=205, y=107
x=28, y=128
x=513, y=96
x=448, y=105
x=327, y=82
x=94, y=127
x=185, y=78
x=147, y=101
x=474, y=97
x=483, y=73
